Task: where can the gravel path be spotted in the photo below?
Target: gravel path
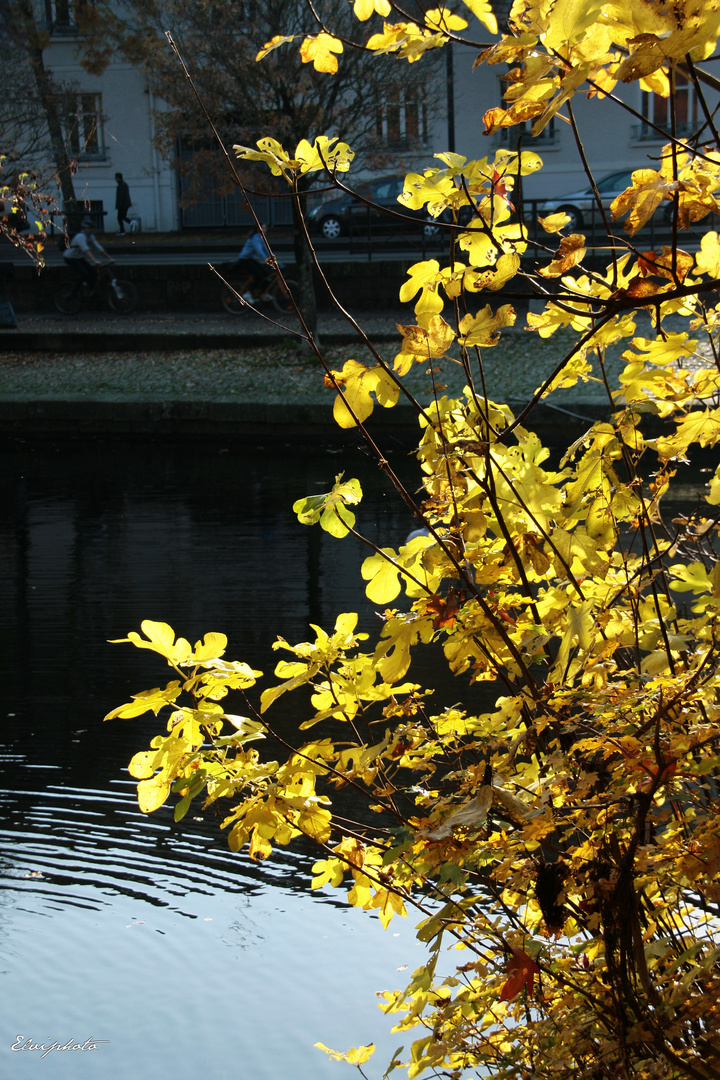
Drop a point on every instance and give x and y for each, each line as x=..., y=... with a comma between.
x=276, y=371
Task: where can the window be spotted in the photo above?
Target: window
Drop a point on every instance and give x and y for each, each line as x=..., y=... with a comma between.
x=656, y=110
x=82, y=116
x=61, y=15
x=402, y=118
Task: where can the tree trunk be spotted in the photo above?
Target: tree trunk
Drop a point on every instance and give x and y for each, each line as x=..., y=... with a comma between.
x=28, y=39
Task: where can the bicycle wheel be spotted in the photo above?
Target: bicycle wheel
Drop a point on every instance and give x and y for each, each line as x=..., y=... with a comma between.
x=230, y=297
x=232, y=302
x=282, y=300
x=122, y=296
x=65, y=302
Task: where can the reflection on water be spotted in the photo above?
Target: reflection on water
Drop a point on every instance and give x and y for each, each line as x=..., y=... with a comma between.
x=131, y=929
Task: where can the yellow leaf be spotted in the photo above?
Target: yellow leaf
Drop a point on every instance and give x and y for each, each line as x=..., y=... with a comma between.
x=260, y=847
x=160, y=639
x=354, y=1056
x=423, y=343
x=274, y=43
x=211, y=648
x=484, y=328
x=553, y=223
x=154, y=699
x=442, y=19
x=330, y=508
x=482, y=11
x=571, y=252
x=365, y=8
x=389, y=904
x=701, y=425
x=421, y=275
x=319, y=52
x=327, y=871
x=569, y=22
x=383, y=576
x=358, y=383
x=323, y=154
x=648, y=190
x=153, y=793
x=707, y=260
x=496, y=119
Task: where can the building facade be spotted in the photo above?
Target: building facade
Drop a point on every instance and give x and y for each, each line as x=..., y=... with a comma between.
x=112, y=126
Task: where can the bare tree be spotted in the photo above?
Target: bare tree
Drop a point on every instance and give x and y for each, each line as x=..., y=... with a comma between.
x=281, y=96
x=33, y=124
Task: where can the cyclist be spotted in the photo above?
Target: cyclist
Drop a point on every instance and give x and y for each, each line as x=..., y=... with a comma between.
x=82, y=255
x=254, y=260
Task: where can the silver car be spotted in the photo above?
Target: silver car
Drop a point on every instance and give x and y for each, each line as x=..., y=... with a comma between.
x=581, y=205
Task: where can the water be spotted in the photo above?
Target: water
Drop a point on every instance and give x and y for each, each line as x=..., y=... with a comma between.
x=183, y=958
x=187, y=959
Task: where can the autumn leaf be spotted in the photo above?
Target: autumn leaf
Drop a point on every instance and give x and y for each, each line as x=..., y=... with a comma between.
x=445, y=610
x=469, y=816
x=498, y=118
x=365, y=8
x=160, y=639
x=357, y=384
x=673, y=265
x=146, y=701
x=642, y=199
x=707, y=260
x=572, y=251
x=355, y=1056
x=553, y=223
x=383, y=576
x=484, y=328
x=421, y=343
x=482, y=10
x=521, y=970
x=324, y=153
x=274, y=43
x=319, y=52
x=331, y=508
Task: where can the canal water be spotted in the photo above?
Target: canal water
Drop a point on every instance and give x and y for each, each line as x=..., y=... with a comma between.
x=178, y=958
x=173, y=956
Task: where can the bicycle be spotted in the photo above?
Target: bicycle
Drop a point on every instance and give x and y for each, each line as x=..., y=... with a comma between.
x=121, y=295
x=273, y=291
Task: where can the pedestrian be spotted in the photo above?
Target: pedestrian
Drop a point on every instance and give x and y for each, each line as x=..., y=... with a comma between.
x=84, y=254
x=254, y=260
x=123, y=202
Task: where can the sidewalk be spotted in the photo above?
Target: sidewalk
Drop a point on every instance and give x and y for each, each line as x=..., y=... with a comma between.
x=206, y=375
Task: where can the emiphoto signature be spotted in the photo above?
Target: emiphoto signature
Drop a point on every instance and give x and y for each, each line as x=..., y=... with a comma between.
x=21, y=1043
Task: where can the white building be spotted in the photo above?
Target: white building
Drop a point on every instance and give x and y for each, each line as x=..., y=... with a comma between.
x=113, y=131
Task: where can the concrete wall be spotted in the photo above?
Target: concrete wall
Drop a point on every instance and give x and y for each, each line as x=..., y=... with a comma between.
x=195, y=288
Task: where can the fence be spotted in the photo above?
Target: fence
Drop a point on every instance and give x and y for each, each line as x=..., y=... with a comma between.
x=223, y=211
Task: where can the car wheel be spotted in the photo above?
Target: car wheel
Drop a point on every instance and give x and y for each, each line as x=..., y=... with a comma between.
x=331, y=228
x=576, y=220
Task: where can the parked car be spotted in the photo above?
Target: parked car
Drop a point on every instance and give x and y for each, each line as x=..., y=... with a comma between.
x=346, y=214
x=581, y=205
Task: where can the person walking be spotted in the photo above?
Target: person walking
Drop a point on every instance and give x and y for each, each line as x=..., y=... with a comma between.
x=84, y=254
x=123, y=202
